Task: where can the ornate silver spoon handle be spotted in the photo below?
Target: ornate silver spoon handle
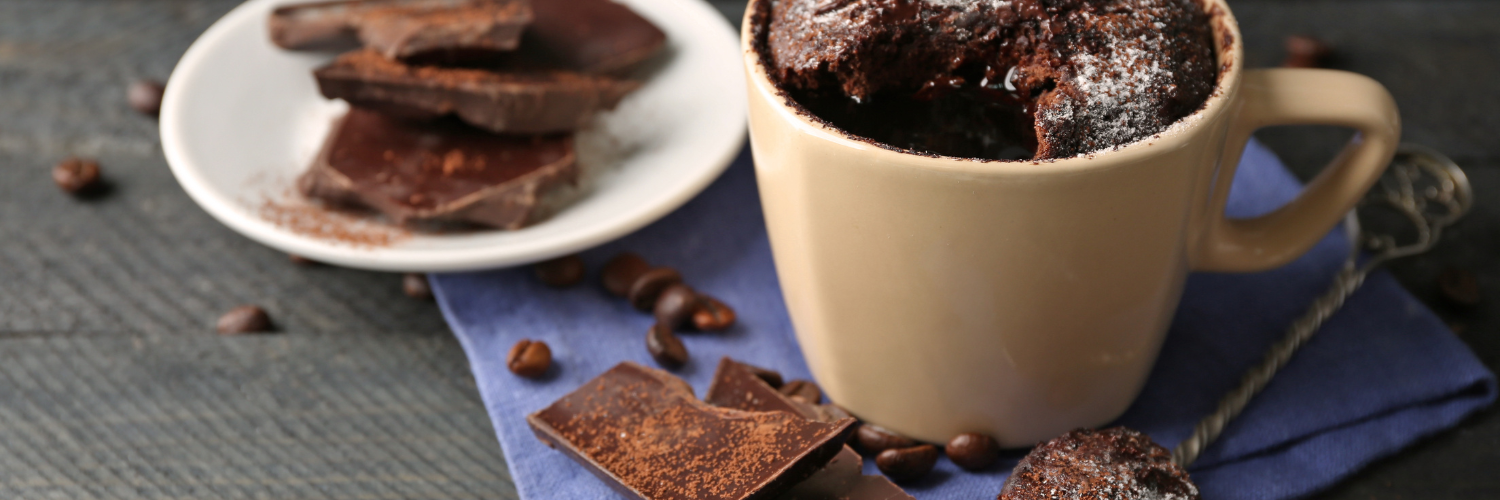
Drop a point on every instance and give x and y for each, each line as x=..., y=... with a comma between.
x=1422, y=185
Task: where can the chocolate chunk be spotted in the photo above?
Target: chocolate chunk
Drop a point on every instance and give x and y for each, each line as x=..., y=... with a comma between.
x=524, y=102
x=744, y=387
x=1459, y=287
x=643, y=433
x=144, y=96
x=805, y=390
x=676, y=305
x=76, y=176
x=712, y=315
x=529, y=358
x=439, y=171
x=907, y=464
x=415, y=285
x=842, y=479
x=649, y=286
x=402, y=28
x=622, y=271
x=874, y=439
x=561, y=272
x=973, y=451
x=750, y=388
x=1111, y=463
x=591, y=36
x=244, y=319
x=665, y=347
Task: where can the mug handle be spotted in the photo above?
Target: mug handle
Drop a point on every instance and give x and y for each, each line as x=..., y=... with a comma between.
x=1299, y=97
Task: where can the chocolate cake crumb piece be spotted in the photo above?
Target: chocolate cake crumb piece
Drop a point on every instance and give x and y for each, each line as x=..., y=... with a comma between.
x=1086, y=75
x=643, y=433
x=507, y=102
x=1117, y=463
x=442, y=171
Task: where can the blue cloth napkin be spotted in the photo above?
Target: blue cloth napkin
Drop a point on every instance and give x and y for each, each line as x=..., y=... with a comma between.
x=1383, y=373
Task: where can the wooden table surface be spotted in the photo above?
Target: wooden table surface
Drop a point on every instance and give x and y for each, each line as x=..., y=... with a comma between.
x=113, y=384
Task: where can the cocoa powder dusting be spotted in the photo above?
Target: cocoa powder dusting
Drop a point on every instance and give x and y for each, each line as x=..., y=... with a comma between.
x=660, y=441
x=313, y=221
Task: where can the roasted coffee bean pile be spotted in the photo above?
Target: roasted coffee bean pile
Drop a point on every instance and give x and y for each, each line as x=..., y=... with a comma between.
x=904, y=459
x=662, y=292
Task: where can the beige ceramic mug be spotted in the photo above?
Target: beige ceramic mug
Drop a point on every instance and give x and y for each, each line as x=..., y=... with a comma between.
x=935, y=296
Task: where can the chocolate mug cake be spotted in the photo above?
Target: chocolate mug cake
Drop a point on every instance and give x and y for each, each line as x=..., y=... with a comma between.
x=992, y=79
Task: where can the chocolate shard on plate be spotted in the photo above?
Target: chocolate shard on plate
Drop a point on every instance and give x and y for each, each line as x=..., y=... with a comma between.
x=507, y=102
x=743, y=387
x=401, y=29
x=644, y=434
x=591, y=36
x=442, y=170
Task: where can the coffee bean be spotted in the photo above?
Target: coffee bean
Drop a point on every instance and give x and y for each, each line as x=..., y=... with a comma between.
x=648, y=287
x=1460, y=287
x=875, y=439
x=145, y=96
x=244, y=319
x=622, y=271
x=416, y=286
x=832, y=412
x=665, y=347
x=771, y=377
x=973, y=451
x=76, y=175
x=300, y=260
x=561, y=272
x=676, y=305
x=1305, y=52
x=529, y=358
x=907, y=464
x=712, y=315
x=805, y=389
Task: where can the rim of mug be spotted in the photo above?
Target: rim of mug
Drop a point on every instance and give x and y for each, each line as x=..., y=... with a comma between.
x=1228, y=52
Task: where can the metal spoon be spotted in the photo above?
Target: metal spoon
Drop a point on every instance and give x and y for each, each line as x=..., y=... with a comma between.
x=1421, y=184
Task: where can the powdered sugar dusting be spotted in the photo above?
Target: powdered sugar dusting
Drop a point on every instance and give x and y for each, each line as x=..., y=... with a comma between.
x=1120, y=84
x=1114, y=464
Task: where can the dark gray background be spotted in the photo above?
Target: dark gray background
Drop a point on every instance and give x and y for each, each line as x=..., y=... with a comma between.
x=113, y=384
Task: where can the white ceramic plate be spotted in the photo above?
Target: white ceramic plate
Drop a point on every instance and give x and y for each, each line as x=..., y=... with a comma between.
x=242, y=118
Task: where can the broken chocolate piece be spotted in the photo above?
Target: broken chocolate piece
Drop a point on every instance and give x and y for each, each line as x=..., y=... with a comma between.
x=401, y=29
x=592, y=36
x=643, y=433
x=527, y=102
x=745, y=387
x=1111, y=463
x=843, y=479
x=440, y=170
